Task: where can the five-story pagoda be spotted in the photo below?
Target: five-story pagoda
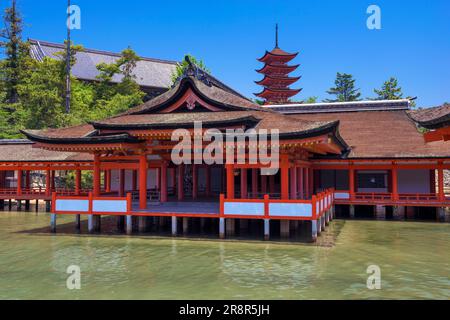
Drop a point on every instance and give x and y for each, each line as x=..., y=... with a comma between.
x=276, y=72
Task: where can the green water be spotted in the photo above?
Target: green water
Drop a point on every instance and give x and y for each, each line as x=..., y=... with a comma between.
x=414, y=259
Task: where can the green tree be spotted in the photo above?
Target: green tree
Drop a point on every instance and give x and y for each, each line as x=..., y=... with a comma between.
x=14, y=48
x=111, y=98
x=344, y=89
x=312, y=99
x=181, y=67
x=389, y=90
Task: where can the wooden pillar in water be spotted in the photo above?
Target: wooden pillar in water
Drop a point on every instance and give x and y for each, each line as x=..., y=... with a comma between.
x=174, y=226
x=314, y=230
x=129, y=224
x=266, y=229
x=53, y=223
x=78, y=222
x=222, y=228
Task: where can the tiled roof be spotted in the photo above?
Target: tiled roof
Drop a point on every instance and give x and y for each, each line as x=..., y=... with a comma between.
x=432, y=118
x=22, y=151
x=149, y=72
x=260, y=119
x=381, y=134
x=354, y=106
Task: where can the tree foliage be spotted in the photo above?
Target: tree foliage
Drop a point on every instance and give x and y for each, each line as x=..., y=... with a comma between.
x=344, y=89
x=389, y=90
x=181, y=67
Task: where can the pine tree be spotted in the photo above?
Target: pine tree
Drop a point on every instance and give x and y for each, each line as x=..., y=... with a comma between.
x=14, y=49
x=389, y=91
x=344, y=89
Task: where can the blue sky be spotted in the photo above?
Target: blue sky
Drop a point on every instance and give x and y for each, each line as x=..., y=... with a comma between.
x=413, y=44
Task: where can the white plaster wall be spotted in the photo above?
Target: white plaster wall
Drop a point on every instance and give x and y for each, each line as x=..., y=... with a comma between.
x=414, y=181
x=152, y=176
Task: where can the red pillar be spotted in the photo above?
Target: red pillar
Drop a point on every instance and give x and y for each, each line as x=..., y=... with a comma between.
x=96, y=176
x=311, y=180
x=77, y=182
x=180, y=182
x=244, y=193
x=143, y=167
x=441, y=183
x=351, y=182
x=284, y=177
x=164, y=182
x=194, y=181
x=48, y=191
x=300, y=183
x=230, y=181
x=52, y=182
x=19, y=182
x=255, y=182
x=394, y=183
x=108, y=180
x=293, y=179
x=208, y=181
x=122, y=183
x=306, y=183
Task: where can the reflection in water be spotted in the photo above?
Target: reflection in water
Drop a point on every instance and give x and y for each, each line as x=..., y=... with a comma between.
x=414, y=259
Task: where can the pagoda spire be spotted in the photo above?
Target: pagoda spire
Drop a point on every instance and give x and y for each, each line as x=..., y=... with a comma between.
x=276, y=72
x=276, y=35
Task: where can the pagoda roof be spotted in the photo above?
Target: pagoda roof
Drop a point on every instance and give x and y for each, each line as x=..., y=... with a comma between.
x=283, y=68
x=266, y=93
x=277, y=54
x=432, y=118
x=268, y=79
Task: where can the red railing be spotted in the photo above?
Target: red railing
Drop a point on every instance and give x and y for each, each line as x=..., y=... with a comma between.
x=319, y=204
x=390, y=197
x=75, y=204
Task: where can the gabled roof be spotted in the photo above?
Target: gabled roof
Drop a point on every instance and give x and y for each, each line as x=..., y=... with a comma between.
x=432, y=118
x=206, y=90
